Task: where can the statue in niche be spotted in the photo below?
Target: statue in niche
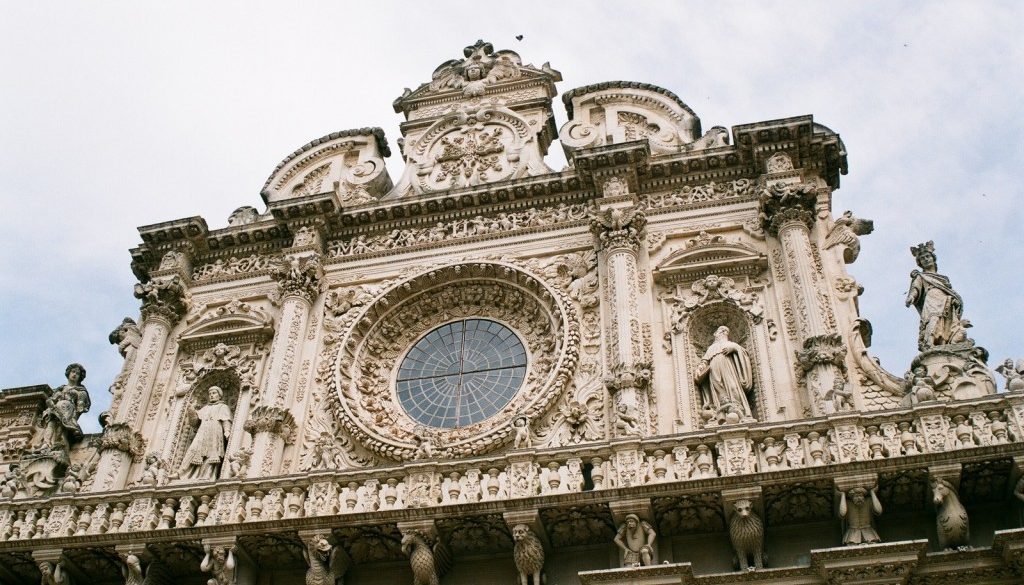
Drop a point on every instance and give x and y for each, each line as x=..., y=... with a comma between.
x=635, y=538
x=1018, y=495
x=63, y=407
x=859, y=514
x=206, y=451
x=724, y=376
x=939, y=305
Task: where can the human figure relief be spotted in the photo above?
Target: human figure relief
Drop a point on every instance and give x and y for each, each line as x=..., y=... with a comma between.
x=724, y=375
x=859, y=515
x=220, y=562
x=635, y=538
x=206, y=451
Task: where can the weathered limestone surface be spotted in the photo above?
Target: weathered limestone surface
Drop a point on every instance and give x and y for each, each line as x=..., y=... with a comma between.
x=648, y=367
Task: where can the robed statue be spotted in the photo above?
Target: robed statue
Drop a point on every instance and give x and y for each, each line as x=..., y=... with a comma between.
x=63, y=407
x=205, y=453
x=934, y=298
x=724, y=376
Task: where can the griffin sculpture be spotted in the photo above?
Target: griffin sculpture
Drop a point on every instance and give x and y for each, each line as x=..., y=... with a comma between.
x=428, y=563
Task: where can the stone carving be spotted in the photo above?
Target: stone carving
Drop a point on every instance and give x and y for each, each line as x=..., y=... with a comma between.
x=746, y=532
x=134, y=574
x=310, y=184
x=635, y=539
x=1014, y=374
x=783, y=203
x=327, y=563
x=53, y=573
x=618, y=228
x=238, y=463
x=126, y=337
x=63, y=408
x=219, y=561
x=951, y=523
x=711, y=289
x=300, y=277
x=938, y=304
x=920, y=387
x=121, y=437
x=844, y=233
x=429, y=563
x=579, y=421
x=273, y=420
x=690, y=194
x=11, y=481
x=244, y=215
x=528, y=553
x=779, y=162
x=522, y=440
x=233, y=266
x=78, y=474
x=858, y=512
x=725, y=376
x=839, y=397
x=164, y=299
x=502, y=223
x=481, y=67
x=206, y=451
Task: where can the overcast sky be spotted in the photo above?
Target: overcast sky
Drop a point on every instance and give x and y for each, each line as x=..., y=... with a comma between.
x=120, y=114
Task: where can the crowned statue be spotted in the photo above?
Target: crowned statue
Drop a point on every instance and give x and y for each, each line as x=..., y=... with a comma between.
x=933, y=296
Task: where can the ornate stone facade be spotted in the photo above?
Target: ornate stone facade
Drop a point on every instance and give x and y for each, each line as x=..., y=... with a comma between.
x=646, y=368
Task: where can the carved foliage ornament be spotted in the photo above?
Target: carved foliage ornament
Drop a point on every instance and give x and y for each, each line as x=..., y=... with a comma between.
x=783, y=203
x=713, y=289
x=618, y=228
x=163, y=299
x=363, y=360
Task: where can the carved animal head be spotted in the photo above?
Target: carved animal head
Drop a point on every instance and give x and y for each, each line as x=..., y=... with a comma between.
x=942, y=491
x=742, y=508
x=411, y=541
x=133, y=562
x=521, y=532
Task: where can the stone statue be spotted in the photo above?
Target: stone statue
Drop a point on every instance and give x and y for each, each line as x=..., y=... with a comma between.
x=327, y=564
x=934, y=298
x=204, y=455
x=1014, y=374
x=724, y=375
x=134, y=574
x=10, y=483
x=220, y=562
x=53, y=573
x=626, y=421
x=859, y=515
x=635, y=538
x=126, y=337
x=920, y=386
x=63, y=407
x=746, y=532
x=951, y=521
x=1018, y=494
x=844, y=232
x=528, y=554
x=77, y=475
x=428, y=563
x=153, y=473
x=840, y=398
x=238, y=463
x=424, y=447
x=521, y=424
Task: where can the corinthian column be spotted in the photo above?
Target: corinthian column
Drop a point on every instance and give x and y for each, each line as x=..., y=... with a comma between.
x=301, y=280
x=164, y=303
x=619, y=231
x=787, y=212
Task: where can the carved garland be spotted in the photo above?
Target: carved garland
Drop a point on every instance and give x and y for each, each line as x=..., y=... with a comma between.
x=362, y=368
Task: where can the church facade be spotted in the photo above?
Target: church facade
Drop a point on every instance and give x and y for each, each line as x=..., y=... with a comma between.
x=645, y=368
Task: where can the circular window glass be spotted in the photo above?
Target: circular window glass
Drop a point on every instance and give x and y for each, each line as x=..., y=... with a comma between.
x=461, y=373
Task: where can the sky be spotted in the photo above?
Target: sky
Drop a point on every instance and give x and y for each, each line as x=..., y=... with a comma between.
x=120, y=114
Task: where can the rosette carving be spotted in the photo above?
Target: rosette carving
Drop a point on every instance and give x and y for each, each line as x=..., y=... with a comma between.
x=363, y=396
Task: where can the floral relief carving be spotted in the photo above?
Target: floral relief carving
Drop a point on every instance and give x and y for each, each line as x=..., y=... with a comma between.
x=360, y=368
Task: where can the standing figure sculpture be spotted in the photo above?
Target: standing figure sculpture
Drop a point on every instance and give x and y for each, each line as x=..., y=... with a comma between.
x=206, y=451
x=859, y=515
x=220, y=562
x=951, y=522
x=725, y=375
x=63, y=407
x=635, y=539
x=746, y=532
x=933, y=296
x=528, y=553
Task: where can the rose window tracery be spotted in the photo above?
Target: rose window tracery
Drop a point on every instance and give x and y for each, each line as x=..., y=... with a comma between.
x=461, y=373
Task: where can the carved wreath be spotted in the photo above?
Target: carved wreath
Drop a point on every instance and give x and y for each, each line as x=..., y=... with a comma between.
x=363, y=368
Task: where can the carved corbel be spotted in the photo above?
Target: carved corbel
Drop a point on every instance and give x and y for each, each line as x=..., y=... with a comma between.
x=221, y=558
x=744, y=512
x=429, y=556
x=530, y=519
x=53, y=567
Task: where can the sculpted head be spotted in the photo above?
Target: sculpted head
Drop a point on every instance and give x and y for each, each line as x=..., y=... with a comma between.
x=721, y=333
x=133, y=561
x=521, y=532
x=742, y=507
x=215, y=394
x=858, y=494
x=632, y=521
x=75, y=370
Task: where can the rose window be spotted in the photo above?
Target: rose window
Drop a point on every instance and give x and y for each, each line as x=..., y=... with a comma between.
x=461, y=373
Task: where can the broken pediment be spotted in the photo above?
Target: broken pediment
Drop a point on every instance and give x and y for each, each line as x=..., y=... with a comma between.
x=709, y=254
x=349, y=164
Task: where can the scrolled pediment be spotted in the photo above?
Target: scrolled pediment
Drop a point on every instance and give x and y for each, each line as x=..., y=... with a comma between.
x=707, y=254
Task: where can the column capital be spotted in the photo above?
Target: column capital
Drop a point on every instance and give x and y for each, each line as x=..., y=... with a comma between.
x=300, y=277
x=783, y=204
x=826, y=349
x=121, y=437
x=618, y=228
x=273, y=420
x=164, y=300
